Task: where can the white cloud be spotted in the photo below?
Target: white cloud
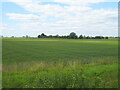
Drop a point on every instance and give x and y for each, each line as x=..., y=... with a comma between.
x=77, y=16
x=25, y=17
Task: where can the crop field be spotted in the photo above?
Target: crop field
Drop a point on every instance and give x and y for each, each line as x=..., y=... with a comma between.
x=59, y=63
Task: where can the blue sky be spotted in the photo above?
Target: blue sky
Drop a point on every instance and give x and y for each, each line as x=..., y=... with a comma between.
x=22, y=18
x=10, y=7
x=105, y=5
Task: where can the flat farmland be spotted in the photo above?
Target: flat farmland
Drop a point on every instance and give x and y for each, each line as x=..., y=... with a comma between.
x=60, y=63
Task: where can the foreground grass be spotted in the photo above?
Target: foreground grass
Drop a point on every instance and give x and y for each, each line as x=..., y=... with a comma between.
x=59, y=63
x=71, y=76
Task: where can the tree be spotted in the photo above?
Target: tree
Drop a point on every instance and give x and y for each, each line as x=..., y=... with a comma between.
x=81, y=37
x=87, y=37
x=67, y=36
x=84, y=37
x=43, y=35
x=56, y=36
x=99, y=37
x=106, y=37
x=27, y=36
x=50, y=36
x=39, y=36
x=73, y=35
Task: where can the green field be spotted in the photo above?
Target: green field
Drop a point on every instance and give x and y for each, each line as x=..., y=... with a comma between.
x=60, y=63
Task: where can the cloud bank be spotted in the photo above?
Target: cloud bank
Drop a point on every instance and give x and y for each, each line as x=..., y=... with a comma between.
x=64, y=16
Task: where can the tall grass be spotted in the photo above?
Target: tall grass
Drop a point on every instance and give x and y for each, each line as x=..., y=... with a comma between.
x=60, y=76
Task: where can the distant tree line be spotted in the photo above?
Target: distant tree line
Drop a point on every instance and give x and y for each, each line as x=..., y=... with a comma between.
x=72, y=35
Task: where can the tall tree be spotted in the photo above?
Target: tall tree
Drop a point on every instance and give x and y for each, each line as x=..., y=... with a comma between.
x=39, y=36
x=43, y=35
x=73, y=35
x=81, y=37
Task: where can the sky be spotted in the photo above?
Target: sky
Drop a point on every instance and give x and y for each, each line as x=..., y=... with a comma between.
x=52, y=17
